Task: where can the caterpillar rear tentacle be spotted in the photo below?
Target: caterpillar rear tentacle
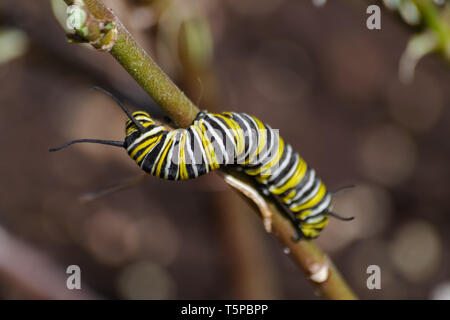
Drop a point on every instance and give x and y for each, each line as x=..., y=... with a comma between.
x=231, y=139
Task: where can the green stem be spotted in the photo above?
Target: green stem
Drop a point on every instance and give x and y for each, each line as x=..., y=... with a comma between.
x=142, y=67
x=433, y=20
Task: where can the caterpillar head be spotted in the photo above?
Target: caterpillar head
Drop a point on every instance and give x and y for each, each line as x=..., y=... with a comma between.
x=139, y=123
x=310, y=222
x=311, y=227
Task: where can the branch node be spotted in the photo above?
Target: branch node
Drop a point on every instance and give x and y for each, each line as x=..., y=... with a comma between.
x=107, y=42
x=320, y=272
x=102, y=34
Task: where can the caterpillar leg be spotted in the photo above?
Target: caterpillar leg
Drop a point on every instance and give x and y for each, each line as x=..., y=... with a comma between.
x=296, y=222
x=253, y=194
x=298, y=235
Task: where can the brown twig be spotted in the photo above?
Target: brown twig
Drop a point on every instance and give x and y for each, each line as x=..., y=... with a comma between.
x=117, y=40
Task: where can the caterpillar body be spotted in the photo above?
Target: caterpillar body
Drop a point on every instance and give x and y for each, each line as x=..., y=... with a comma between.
x=230, y=139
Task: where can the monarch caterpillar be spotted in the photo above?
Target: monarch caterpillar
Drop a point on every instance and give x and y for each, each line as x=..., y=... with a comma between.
x=229, y=139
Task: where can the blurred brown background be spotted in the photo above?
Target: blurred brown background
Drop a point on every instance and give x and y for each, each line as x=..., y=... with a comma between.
x=318, y=74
